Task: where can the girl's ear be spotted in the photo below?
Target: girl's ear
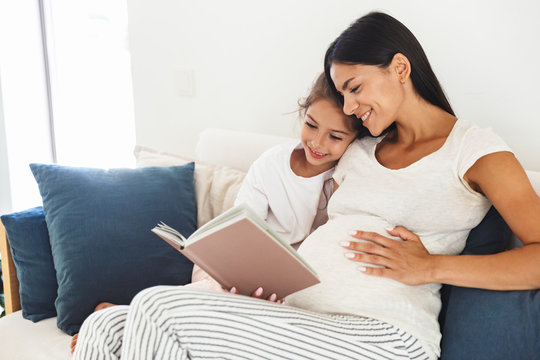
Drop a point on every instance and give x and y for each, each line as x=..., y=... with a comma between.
x=401, y=66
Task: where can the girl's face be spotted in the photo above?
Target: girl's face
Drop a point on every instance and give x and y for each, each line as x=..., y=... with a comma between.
x=325, y=134
x=370, y=93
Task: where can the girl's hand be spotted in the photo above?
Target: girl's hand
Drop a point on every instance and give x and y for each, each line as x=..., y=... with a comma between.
x=258, y=293
x=406, y=261
x=206, y=283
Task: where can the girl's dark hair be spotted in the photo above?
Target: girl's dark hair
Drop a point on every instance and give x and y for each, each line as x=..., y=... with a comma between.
x=321, y=89
x=374, y=39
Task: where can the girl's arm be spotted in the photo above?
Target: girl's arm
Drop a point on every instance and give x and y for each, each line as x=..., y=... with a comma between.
x=199, y=274
x=500, y=177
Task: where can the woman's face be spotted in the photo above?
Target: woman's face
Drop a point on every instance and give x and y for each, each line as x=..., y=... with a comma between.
x=371, y=93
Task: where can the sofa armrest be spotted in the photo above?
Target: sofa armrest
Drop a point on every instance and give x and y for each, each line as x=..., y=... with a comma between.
x=11, y=283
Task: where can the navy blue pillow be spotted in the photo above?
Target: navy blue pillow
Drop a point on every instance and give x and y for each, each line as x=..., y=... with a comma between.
x=491, y=236
x=491, y=325
x=485, y=324
x=31, y=251
x=99, y=225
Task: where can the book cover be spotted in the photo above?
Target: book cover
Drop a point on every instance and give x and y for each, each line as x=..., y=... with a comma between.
x=239, y=249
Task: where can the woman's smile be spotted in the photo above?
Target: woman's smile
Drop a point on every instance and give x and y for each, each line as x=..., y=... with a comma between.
x=364, y=117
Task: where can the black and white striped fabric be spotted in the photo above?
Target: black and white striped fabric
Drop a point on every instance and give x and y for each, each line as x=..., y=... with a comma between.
x=182, y=323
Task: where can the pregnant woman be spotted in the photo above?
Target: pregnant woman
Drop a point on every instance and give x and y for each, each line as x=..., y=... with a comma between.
x=424, y=170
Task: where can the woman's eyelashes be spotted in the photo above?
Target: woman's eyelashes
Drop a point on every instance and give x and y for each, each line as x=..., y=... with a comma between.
x=336, y=137
x=310, y=125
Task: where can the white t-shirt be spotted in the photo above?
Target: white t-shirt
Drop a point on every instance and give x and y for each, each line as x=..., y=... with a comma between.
x=429, y=197
x=292, y=205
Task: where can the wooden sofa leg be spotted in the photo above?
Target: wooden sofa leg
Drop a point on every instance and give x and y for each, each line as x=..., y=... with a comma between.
x=9, y=273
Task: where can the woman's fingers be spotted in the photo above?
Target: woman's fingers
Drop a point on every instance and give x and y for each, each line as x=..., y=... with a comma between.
x=369, y=259
x=407, y=261
x=369, y=248
x=403, y=233
x=382, y=272
x=373, y=237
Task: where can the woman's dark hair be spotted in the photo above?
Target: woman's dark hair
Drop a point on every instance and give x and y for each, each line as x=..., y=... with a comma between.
x=321, y=89
x=374, y=39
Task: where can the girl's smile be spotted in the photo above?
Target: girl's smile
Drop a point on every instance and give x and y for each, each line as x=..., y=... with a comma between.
x=315, y=154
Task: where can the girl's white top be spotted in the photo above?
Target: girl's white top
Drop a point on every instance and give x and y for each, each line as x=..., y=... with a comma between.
x=429, y=197
x=292, y=205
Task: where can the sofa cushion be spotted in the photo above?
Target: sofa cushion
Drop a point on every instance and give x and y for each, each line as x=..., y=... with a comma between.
x=99, y=225
x=485, y=324
x=216, y=186
x=31, y=251
x=24, y=340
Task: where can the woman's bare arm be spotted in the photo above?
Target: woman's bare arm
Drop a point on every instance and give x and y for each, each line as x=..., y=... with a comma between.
x=503, y=181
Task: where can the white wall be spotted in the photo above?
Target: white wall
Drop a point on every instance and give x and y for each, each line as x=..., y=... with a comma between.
x=251, y=60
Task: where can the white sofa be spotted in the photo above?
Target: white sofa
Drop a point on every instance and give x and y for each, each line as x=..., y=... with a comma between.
x=223, y=157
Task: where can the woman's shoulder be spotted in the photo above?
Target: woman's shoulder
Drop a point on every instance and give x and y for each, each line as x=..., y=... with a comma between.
x=365, y=144
x=469, y=142
x=357, y=150
x=469, y=134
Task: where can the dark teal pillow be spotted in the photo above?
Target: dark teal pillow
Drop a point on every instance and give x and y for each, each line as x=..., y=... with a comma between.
x=491, y=325
x=99, y=225
x=485, y=324
x=491, y=236
x=31, y=252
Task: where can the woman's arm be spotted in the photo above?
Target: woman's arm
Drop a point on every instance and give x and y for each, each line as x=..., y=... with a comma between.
x=503, y=181
x=500, y=177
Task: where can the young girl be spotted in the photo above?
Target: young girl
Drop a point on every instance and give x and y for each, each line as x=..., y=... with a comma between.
x=284, y=183
x=290, y=184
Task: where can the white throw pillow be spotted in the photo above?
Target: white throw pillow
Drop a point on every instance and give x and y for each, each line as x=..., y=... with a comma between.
x=216, y=186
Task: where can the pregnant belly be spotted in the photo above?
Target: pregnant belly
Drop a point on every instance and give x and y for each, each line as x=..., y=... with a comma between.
x=346, y=290
x=343, y=288
x=321, y=249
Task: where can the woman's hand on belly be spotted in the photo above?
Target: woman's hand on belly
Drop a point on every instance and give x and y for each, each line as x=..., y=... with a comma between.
x=406, y=261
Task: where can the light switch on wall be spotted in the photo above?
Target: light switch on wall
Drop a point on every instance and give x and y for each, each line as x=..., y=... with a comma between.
x=184, y=82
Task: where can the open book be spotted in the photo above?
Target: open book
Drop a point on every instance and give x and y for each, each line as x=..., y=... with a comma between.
x=238, y=248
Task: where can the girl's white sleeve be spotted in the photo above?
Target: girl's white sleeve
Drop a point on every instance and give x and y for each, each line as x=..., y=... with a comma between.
x=252, y=191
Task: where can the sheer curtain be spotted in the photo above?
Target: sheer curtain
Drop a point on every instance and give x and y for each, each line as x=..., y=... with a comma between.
x=66, y=94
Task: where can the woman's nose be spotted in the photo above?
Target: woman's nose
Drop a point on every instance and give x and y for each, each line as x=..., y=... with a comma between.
x=349, y=105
